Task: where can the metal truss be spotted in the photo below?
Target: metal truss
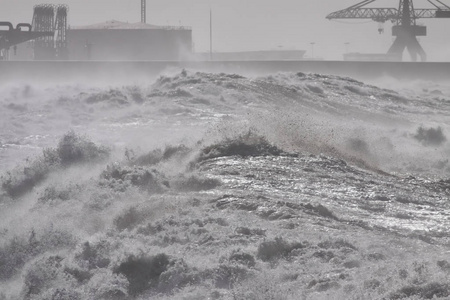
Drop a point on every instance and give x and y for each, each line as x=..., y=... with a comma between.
x=376, y=14
x=143, y=11
x=359, y=11
x=50, y=18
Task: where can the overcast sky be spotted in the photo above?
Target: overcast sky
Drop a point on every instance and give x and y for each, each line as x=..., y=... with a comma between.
x=252, y=24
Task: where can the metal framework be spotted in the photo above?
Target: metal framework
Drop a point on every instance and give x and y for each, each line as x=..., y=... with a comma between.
x=61, y=32
x=11, y=36
x=405, y=29
x=50, y=18
x=143, y=11
x=358, y=11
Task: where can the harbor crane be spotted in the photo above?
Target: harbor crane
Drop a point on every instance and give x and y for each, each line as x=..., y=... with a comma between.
x=405, y=29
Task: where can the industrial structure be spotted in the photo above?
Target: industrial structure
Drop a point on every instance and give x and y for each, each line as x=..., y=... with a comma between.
x=261, y=55
x=143, y=11
x=405, y=29
x=14, y=36
x=111, y=40
x=114, y=40
x=50, y=18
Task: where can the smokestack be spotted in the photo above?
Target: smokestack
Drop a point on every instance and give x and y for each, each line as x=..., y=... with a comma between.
x=143, y=11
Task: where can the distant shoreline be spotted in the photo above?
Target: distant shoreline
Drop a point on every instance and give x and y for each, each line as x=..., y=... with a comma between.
x=71, y=70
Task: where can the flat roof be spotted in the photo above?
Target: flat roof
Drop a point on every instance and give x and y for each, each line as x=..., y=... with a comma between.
x=114, y=24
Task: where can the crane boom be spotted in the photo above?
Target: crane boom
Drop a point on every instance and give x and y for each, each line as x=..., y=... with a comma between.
x=383, y=14
x=376, y=14
x=386, y=14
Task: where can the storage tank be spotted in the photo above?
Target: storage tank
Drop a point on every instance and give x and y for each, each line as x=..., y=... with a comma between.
x=114, y=40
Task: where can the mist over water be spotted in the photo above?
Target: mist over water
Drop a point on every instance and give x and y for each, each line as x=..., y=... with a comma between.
x=209, y=185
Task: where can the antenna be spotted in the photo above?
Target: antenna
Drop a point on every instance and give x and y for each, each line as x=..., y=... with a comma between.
x=143, y=11
x=210, y=35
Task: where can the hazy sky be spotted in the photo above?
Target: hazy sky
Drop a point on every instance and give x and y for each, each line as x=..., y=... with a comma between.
x=252, y=24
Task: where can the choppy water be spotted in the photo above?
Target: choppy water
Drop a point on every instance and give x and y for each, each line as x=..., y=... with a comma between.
x=218, y=186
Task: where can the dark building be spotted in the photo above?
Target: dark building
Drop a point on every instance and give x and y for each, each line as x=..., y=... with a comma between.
x=262, y=55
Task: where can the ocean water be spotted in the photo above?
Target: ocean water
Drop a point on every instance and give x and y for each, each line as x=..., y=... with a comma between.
x=196, y=185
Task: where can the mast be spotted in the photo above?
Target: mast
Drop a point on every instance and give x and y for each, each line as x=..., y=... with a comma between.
x=143, y=12
x=210, y=35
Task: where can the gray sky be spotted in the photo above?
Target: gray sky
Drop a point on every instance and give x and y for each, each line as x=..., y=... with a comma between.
x=252, y=24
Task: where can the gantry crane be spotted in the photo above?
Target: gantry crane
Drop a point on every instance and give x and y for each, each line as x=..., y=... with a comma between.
x=404, y=17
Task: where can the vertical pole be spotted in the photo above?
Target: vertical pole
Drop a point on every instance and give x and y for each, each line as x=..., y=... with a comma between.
x=143, y=12
x=210, y=35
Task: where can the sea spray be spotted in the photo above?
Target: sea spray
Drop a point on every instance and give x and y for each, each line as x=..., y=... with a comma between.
x=212, y=185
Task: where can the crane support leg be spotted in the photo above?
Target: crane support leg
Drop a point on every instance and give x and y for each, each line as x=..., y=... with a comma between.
x=407, y=39
x=415, y=49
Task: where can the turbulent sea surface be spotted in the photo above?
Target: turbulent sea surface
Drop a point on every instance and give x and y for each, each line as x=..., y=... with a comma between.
x=198, y=185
